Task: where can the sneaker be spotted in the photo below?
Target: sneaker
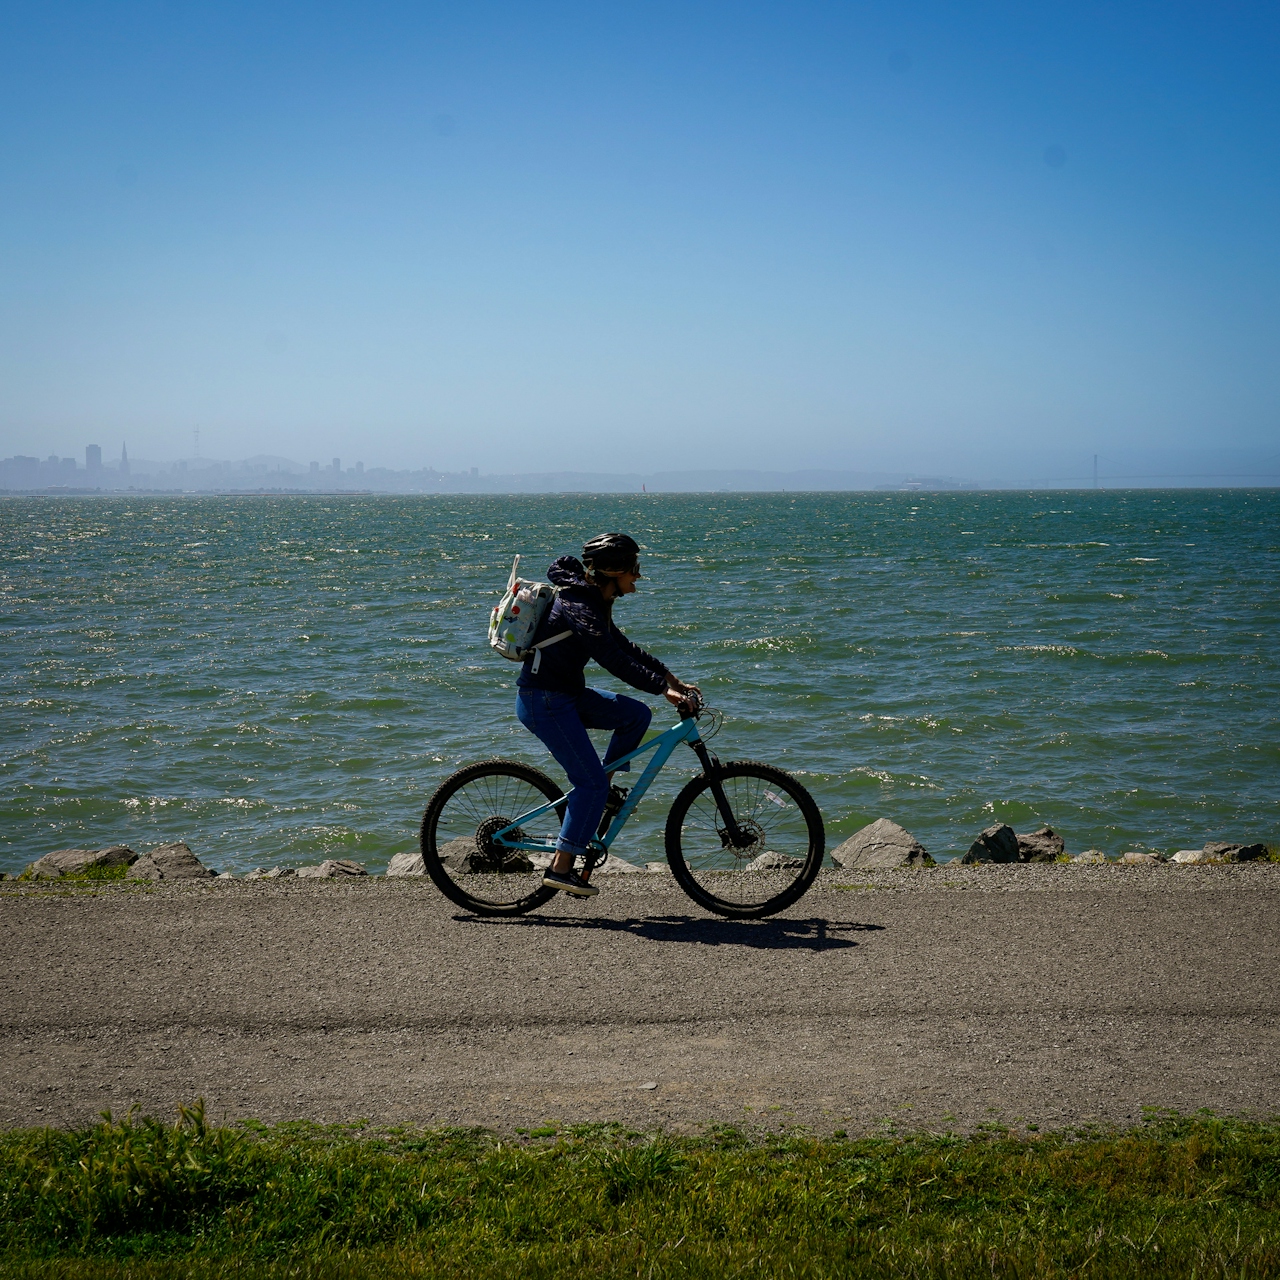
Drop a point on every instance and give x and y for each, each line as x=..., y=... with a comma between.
x=617, y=798
x=570, y=882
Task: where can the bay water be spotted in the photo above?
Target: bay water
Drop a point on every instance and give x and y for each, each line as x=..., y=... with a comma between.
x=278, y=680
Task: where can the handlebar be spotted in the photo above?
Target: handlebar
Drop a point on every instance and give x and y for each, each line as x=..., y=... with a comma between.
x=693, y=705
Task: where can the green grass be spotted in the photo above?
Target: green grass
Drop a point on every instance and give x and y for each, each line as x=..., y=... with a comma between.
x=139, y=1199
x=119, y=872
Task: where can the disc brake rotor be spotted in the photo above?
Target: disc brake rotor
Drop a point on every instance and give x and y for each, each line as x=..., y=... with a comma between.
x=752, y=831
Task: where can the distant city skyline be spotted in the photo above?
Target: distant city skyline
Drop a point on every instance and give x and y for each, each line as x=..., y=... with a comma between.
x=281, y=474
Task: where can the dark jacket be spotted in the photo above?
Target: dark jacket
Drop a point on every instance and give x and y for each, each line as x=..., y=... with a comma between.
x=579, y=607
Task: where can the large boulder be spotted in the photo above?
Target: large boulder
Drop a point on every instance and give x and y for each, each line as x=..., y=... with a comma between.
x=769, y=861
x=1141, y=858
x=1226, y=851
x=457, y=853
x=462, y=855
x=1091, y=857
x=995, y=844
x=332, y=869
x=881, y=844
x=1191, y=857
x=70, y=862
x=169, y=862
x=408, y=863
x=1044, y=845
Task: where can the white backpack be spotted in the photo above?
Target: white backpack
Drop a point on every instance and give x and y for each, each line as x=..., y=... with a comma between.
x=515, y=619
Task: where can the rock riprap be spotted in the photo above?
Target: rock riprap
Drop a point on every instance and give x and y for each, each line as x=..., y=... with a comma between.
x=881, y=845
x=332, y=869
x=769, y=861
x=70, y=862
x=456, y=854
x=408, y=863
x=1220, y=851
x=169, y=862
x=995, y=844
x=1044, y=845
x=1226, y=851
x=463, y=855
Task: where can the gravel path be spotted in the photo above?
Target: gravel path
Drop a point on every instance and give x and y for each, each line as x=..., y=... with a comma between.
x=947, y=998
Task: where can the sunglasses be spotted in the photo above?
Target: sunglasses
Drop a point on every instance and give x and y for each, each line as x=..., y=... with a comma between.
x=633, y=571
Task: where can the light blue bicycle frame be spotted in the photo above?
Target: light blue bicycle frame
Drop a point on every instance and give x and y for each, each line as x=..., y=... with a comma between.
x=662, y=746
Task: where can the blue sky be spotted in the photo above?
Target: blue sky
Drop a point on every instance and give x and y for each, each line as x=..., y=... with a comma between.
x=931, y=237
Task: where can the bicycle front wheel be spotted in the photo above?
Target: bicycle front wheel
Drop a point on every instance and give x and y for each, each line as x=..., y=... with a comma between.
x=780, y=850
x=458, y=849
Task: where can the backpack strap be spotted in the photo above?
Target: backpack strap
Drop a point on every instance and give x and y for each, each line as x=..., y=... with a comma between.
x=542, y=644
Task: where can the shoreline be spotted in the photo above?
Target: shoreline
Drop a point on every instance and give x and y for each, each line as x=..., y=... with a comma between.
x=986, y=877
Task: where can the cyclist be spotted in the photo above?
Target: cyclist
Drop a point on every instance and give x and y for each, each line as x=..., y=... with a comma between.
x=554, y=703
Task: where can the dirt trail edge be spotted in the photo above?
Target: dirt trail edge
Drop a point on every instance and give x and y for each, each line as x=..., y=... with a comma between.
x=941, y=999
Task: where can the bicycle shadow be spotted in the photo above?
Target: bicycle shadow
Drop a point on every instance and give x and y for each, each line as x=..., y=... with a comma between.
x=773, y=935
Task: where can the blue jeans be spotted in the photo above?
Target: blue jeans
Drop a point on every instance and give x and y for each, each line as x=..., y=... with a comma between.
x=561, y=721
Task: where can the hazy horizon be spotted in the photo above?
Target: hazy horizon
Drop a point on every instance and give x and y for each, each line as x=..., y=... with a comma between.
x=986, y=243
x=275, y=473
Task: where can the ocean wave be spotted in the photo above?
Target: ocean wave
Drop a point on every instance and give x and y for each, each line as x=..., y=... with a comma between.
x=1064, y=650
x=767, y=644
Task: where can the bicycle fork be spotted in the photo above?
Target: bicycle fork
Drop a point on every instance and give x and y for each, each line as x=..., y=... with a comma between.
x=737, y=837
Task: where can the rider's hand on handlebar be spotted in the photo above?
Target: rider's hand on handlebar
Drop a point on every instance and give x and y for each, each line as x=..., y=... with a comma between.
x=686, y=698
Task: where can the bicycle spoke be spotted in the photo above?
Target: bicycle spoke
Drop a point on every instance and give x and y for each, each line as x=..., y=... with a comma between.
x=764, y=859
x=459, y=832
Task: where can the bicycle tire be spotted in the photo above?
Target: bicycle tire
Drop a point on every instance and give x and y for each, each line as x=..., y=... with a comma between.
x=479, y=796
x=716, y=875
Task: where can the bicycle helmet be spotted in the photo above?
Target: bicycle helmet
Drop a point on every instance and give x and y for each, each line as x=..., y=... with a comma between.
x=611, y=552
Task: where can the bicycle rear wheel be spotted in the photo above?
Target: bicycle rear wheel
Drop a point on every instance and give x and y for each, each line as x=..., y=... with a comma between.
x=783, y=846
x=457, y=837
